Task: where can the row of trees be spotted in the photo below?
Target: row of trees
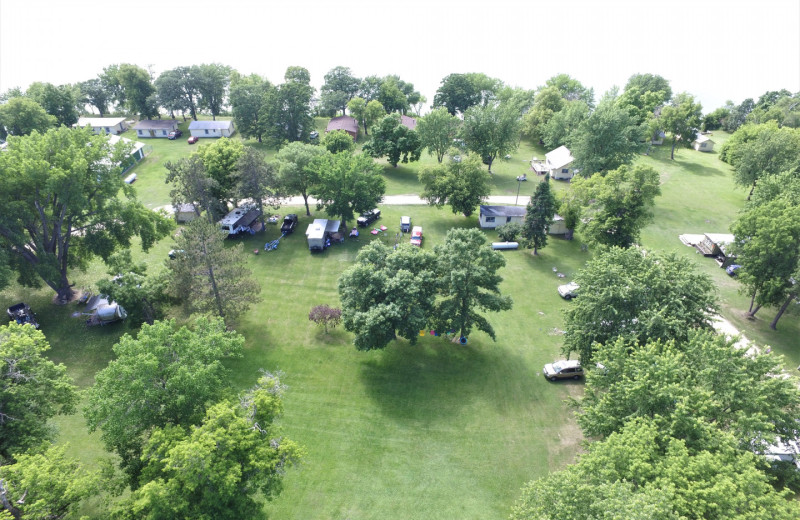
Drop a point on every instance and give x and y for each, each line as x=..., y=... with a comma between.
x=187, y=444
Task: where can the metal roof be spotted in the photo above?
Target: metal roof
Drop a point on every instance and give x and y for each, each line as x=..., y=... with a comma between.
x=99, y=121
x=156, y=124
x=503, y=211
x=210, y=125
x=559, y=157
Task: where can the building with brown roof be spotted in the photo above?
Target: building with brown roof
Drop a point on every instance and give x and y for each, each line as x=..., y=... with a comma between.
x=346, y=123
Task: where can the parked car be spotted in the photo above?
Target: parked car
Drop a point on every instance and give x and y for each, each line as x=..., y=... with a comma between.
x=368, y=217
x=22, y=313
x=564, y=369
x=314, y=134
x=416, y=236
x=193, y=139
x=174, y=135
x=731, y=269
x=405, y=224
x=568, y=291
x=289, y=223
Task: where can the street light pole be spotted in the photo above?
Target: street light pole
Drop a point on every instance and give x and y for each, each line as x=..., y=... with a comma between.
x=519, y=184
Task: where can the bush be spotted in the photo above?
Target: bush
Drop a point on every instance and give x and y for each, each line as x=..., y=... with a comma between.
x=509, y=232
x=325, y=316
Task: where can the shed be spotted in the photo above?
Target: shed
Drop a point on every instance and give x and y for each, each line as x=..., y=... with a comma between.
x=211, y=128
x=715, y=244
x=558, y=226
x=558, y=163
x=703, y=143
x=185, y=213
x=136, y=154
x=346, y=123
x=408, y=122
x=495, y=216
x=104, y=125
x=155, y=127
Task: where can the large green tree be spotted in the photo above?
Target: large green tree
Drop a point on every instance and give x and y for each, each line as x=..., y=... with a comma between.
x=457, y=93
x=676, y=385
x=21, y=116
x=547, y=102
x=437, y=130
x=388, y=293
x=617, y=206
x=210, y=277
x=144, y=297
x=96, y=93
x=248, y=95
x=60, y=205
x=221, y=162
x=45, y=483
x=179, y=89
x=347, y=184
x=33, y=389
x=257, y=181
x=462, y=184
x=609, y=138
x=559, y=129
x=682, y=119
x=59, y=101
x=539, y=215
x=287, y=109
x=296, y=176
x=137, y=90
x=468, y=283
x=212, y=83
x=641, y=295
x=339, y=88
x=571, y=89
x=224, y=468
x=491, y=131
x=338, y=141
x=164, y=376
x=366, y=113
x=644, y=93
x=192, y=185
x=395, y=141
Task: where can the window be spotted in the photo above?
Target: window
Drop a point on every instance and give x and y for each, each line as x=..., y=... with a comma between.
x=206, y=131
x=108, y=130
x=508, y=219
x=163, y=132
x=564, y=170
x=489, y=219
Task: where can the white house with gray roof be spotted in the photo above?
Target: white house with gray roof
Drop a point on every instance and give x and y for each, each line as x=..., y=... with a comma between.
x=155, y=127
x=104, y=125
x=495, y=216
x=211, y=128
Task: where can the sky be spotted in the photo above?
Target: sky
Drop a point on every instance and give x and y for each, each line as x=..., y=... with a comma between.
x=717, y=50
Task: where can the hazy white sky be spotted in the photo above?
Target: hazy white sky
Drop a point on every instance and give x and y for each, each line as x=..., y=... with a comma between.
x=714, y=49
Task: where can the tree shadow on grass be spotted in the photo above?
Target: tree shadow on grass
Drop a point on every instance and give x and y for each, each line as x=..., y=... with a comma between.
x=436, y=379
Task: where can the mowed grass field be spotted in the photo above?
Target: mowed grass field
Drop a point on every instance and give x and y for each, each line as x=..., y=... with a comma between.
x=432, y=430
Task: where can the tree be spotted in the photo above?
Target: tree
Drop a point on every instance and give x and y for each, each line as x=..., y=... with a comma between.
x=33, y=389
x=395, y=141
x=339, y=88
x=607, y=139
x=136, y=88
x=248, y=96
x=469, y=283
x=618, y=206
x=767, y=244
x=456, y=93
x=257, y=180
x=370, y=88
x=221, y=161
x=21, y=116
x=539, y=215
x=325, y=316
x=223, y=468
x=571, y=89
x=347, y=184
x=358, y=108
x=682, y=119
x=295, y=173
x=287, y=109
x=643, y=296
x=58, y=101
x=559, y=129
x=59, y=206
x=491, y=131
x=96, y=93
x=509, y=232
x=462, y=184
x=373, y=113
x=212, y=84
x=437, y=130
x=388, y=293
x=338, y=141
x=644, y=93
x=180, y=89
x=669, y=383
x=546, y=103
x=758, y=151
x=45, y=484
x=210, y=277
x=164, y=376
x=641, y=474
x=397, y=95
x=144, y=297
x=192, y=185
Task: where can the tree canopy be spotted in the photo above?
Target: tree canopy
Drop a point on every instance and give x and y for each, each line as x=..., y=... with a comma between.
x=59, y=101
x=490, y=131
x=394, y=140
x=296, y=176
x=339, y=88
x=682, y=119
x=59, y=205
x=21, y=116
x=388, y=293
x=462, y=184
x=346, y=184
x=641, y=295
x=458, y=92
x=33, y=389
x=248, y=95
x=437, y=130
x=539, y=215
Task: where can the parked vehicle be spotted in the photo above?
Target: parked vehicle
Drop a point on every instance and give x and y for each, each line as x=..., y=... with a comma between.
x=416, y=236
x=193, y=139
x=405, y=224
x=368, y=217
x=313, y=135
x=239, y=220
x=320, y=232
x=289, y=223
x=564, y=369
x=568, y=291
x=731, y=269
x=22, y=313
x=174, y=135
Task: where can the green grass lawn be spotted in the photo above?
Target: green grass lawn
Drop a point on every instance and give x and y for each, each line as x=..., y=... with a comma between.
x=432, y=430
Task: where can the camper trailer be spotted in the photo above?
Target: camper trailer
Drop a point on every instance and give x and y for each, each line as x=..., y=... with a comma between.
x=320, y=232
x=240, y=220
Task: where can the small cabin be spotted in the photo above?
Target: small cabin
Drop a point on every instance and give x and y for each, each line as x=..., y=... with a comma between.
x=558, y=163
x=558, y=226
x=703, y=143
x=185, y=213
x=346, y=123
x=155, y=127
x=104, y=125
x=211, y=128
x=495, y=216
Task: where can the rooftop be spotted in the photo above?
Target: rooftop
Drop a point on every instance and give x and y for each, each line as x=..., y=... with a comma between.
x=210, y=125
x=156, y=124
x=503, y=211
x=99, y=121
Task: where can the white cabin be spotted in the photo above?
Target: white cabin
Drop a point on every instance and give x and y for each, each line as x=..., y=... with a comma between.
x=104, y=125
x=211, y=128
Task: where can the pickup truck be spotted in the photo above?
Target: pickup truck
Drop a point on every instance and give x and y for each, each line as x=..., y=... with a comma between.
x=289, y=223
x=368, y=217
x=22, y=313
